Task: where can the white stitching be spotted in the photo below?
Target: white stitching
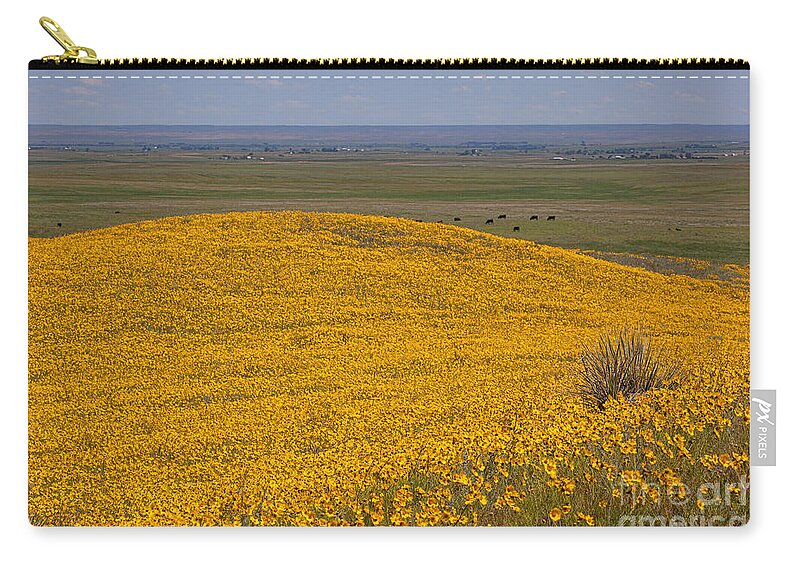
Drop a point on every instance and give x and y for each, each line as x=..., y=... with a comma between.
x=393, y=77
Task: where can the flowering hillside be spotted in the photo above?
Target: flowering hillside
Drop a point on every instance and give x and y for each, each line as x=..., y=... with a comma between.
x=310, y=369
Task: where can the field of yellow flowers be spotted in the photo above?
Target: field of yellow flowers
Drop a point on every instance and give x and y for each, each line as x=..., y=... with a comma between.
x=288, y=368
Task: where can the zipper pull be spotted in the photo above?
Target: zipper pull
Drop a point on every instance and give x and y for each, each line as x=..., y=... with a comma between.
x=72, y=52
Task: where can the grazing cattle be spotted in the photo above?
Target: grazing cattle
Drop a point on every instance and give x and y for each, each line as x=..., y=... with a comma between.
x=516, y=228
x=116, y=211
x=490, y=221
x=417, y=220
x=456, y=219
x=550, y=218
x=501, y=217
x=58, y=224
x=439, y=221
x=678, y=230
x=534, y=217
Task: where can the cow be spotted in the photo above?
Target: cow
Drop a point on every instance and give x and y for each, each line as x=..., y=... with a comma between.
x=58, y=225
x=456, y=219
x=490, y=221
x=550, y=218
x=501, y=217
x=417, y=220
x=116, y=211
x=439, y=221
x=516, y=228
x=534, y=217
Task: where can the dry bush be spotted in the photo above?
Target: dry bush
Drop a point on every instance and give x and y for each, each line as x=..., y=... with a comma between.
x=625, y=363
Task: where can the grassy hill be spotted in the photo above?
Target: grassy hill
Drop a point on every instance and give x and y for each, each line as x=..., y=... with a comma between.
x=688, y=208
x=301, y=368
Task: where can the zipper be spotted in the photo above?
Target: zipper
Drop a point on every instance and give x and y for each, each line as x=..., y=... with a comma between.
x=72, y=52
x=79, y=57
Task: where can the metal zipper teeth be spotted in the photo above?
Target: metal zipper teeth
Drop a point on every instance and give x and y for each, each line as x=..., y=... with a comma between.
x=381, y=63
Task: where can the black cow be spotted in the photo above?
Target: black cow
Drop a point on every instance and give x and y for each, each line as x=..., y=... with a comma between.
x=490, y=221
x=516, y=228
x=58, y=225
x=456, y=219
x=534, y=217
x=116, y=211
x=501, y=217
x=417, y=220
x=550, y=218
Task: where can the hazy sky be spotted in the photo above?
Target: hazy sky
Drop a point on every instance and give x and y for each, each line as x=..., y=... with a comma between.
x=342, y=97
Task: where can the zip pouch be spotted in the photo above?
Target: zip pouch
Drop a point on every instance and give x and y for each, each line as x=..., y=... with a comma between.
x=377, y=292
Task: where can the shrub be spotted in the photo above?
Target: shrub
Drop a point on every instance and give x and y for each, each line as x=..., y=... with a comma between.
x=625, y=363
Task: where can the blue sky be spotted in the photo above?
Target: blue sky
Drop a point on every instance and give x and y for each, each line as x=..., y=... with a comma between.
x=346, y=97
